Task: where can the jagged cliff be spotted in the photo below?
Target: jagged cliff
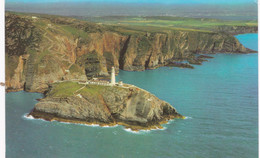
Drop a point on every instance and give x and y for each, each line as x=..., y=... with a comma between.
x=105, y=105
x=42, y=49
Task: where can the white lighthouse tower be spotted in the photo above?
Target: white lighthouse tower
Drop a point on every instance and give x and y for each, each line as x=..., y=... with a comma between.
x=113, y=76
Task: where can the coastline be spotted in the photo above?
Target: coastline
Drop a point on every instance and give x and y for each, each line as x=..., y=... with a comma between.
x=30, y=117
x=202, y=57
x=218, y=100
x=134, y=128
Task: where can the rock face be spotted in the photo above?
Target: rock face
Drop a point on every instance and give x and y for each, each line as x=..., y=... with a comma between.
x=43, y=49
x=234, y=30
x=105, y=105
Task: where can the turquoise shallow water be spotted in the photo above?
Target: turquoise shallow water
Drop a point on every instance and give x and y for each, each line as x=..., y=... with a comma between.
x=219, y=98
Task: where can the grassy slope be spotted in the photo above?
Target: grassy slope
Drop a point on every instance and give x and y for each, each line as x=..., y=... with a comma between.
x=172, y=23
x=136, y=25
x=69, y=88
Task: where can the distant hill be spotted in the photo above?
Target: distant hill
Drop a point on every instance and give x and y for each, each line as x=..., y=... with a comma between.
x=247, y=11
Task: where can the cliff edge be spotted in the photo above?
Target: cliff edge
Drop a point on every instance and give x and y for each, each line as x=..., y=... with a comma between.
x=43, y=49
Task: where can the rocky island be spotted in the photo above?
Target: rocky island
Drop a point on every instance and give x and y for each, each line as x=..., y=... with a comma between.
x=103, y=103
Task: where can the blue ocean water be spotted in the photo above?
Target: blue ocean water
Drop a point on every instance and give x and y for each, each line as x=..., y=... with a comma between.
x=219, y=98
x=249, y=40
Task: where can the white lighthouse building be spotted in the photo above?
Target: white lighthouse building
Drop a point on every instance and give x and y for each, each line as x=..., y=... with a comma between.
x=113, y=76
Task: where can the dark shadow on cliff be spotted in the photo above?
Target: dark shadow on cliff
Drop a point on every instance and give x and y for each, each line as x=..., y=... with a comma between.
x=122, y=53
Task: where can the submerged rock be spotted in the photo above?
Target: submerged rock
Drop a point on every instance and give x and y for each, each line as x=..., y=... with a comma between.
x=179, y=64
x=127, y=105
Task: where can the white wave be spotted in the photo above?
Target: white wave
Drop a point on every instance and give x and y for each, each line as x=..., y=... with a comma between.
x=131, y=131
x=187, y=117
x=30, y=117
x=143, y=130
x=27, y=116
x=82, y=124
x=106, y=126
x=169, y=122
x=88, y=125
x=115, y=132
x=161, y=129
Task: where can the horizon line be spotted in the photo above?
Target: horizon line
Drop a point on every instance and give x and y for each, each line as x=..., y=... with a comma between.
x=131, y=2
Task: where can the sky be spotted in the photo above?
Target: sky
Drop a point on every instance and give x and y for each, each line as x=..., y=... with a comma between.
x=145, y=1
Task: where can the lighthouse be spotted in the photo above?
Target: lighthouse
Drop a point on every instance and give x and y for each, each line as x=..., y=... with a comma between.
x=113, y=76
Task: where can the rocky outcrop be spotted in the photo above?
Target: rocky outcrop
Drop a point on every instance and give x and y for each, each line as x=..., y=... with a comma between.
x=43, y=49
x=20, y=34
x=234, y=30
x=130, y=106
x=159, y=49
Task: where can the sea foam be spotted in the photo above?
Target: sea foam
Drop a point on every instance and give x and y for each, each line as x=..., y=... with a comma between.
x=144, y=131
x=30, y=117
x=187, y=117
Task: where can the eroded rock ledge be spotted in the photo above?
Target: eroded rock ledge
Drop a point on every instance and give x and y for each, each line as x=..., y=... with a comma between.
x=129, y=105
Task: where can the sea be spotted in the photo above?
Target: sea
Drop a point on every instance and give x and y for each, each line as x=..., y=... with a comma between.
x=219, y=99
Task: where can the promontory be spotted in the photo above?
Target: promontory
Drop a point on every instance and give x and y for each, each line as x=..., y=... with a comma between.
x=70, y=61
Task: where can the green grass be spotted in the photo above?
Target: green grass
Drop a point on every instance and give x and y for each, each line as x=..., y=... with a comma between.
x=74, y=31
x=40, y=23
x=129, y=25
x=69, y=88
x=179, y=23
x=91, y=89
x=64, y=89
x=74, y=68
